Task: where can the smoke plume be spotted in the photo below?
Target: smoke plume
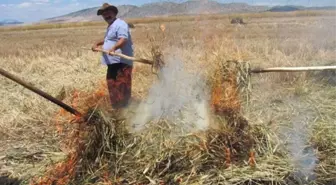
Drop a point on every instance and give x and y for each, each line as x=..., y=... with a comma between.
x=301, y=154
x=178, y=96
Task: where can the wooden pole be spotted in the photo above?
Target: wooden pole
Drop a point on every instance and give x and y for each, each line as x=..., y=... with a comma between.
x=140, y=60
x=41, y=93
x=292, y=69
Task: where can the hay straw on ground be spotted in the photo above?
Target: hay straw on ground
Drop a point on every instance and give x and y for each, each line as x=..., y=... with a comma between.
x=150, y=157
x=236, y=152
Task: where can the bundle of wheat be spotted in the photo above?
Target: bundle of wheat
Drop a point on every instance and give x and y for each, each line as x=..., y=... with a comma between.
x=103, y=150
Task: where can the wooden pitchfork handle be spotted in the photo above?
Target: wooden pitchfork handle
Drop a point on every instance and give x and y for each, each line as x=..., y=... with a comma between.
x=292, y=69
x=41, y=93
x=140, y=60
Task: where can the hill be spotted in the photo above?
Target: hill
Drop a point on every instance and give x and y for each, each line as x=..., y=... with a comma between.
x=285, y=8
x=290, y=8
x=9, y=22
x=161, y=9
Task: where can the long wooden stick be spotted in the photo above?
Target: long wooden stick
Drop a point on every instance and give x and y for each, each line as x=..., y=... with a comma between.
x=292, y=69
x=140, y=60
x=256, y=70
x=39, y=92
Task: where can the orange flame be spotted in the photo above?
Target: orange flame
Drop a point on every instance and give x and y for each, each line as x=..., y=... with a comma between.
x=224, y=97
x=62, y=173
x=106, y=178
x=75, y=98
x=101, y=91
x=252, y=160
x=227, y=157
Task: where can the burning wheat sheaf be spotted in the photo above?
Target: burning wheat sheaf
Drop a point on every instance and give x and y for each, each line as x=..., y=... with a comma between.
x=226, y=93
x=63, y=172
x=102, y=150
x=105, y=143
x=225, y=96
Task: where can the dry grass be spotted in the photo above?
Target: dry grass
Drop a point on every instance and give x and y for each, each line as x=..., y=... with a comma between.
x=53, y=61
x=178, y=18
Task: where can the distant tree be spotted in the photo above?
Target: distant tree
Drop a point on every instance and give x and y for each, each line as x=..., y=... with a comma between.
x=237, y=20
x=284, y=9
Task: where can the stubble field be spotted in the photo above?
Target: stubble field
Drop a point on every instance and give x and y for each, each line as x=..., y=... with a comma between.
x=293, y=114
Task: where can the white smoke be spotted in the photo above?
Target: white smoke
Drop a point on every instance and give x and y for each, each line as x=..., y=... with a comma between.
x=301, y=154
x=178, y=96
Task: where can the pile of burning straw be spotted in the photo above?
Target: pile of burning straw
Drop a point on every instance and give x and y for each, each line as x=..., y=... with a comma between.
x=103, y=150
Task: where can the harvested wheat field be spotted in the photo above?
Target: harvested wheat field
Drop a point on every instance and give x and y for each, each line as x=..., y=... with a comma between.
x=201, y=119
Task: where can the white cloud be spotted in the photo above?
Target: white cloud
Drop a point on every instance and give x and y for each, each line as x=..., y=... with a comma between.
x=25, y=4
x=6, y=5
x=40, y=1
x=35, y=10
x=33, y=3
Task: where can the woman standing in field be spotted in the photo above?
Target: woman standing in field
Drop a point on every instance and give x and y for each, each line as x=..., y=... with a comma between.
x=119, y=70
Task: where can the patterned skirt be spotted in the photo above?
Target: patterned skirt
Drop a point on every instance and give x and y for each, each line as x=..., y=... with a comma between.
x=119, y=83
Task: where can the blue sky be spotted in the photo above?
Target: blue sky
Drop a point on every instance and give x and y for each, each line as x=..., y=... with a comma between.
x=34, y=10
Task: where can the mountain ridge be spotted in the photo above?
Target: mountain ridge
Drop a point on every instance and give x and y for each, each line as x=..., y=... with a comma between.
x=6, y=22
x=164, y=8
